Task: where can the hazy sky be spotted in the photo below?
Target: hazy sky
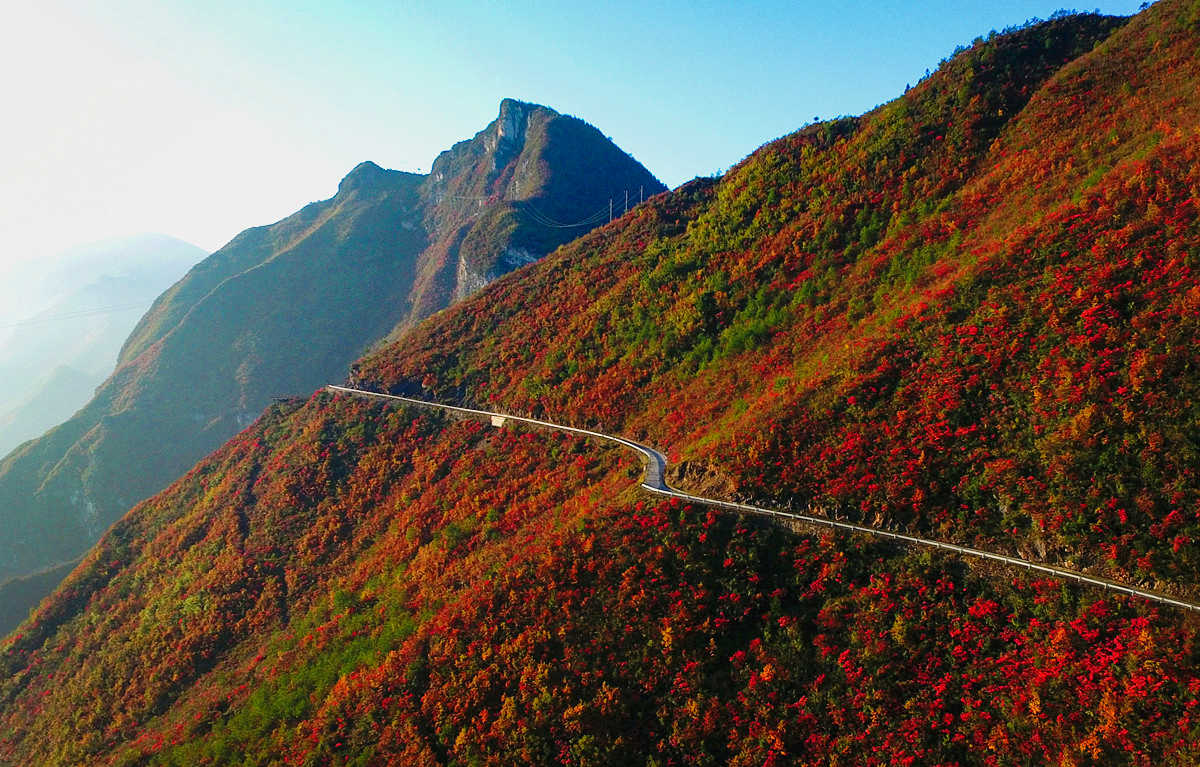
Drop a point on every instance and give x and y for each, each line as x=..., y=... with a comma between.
x=199, y=118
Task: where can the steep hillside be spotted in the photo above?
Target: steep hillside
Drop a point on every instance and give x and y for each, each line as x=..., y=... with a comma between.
x=346, y=583
x=286, y=308
x=968, y=312
x=209, y=355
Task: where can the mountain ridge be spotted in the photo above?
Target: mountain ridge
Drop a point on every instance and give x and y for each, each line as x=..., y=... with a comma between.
x=282, y=308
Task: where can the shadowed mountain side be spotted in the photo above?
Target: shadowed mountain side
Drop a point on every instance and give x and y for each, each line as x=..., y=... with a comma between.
x=286, y=308
x=319, y=289
x=18, y=596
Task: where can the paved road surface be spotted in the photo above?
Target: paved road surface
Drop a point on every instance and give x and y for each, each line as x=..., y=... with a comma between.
x=653, y=480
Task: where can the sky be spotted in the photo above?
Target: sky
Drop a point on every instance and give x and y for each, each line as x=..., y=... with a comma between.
x=200, y=118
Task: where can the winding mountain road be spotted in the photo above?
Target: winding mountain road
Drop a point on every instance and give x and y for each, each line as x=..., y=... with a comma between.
x=653, y=480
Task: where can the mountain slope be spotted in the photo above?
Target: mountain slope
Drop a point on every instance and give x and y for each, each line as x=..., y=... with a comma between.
x=350, y=583
x=936, y=316
x=877, y=316
x=286, y=308
x=208, y=375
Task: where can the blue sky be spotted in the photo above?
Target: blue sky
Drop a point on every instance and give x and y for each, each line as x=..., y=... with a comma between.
x=200, y=118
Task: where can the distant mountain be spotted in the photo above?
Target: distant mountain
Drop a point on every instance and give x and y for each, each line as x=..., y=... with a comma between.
x=283, y=309
x=89, y=300
x=49, y=400
x=32, y=286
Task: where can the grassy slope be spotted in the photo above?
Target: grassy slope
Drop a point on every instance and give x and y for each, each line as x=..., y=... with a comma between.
x=347, y=584
x=350, y=584
x=962, y=313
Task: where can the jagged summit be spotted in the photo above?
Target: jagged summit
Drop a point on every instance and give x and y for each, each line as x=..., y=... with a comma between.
x=474, y=168
x=481, y=192
x=510, y=126
x=502, y=138
x=369, y=175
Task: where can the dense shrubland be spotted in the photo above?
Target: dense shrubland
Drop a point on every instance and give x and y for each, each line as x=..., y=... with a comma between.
x=966, y=313
x=970, y=312
x=412, y=590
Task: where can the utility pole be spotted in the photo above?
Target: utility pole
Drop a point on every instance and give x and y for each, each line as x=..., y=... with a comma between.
x=626, y=200
x=641, y=189
x=610, y=210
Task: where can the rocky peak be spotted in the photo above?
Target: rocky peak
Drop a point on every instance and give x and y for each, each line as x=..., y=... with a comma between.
x=490, y=149
x=511, y=126
x=368, y=175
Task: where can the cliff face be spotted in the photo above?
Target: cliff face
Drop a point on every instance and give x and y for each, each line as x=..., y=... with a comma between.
x=529, y=182
x=285, y=308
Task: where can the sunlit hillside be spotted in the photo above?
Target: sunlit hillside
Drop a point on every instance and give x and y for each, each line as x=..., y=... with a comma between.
x=967, y=314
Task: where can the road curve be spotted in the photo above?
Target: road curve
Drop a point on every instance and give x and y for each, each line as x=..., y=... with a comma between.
x=654, y=481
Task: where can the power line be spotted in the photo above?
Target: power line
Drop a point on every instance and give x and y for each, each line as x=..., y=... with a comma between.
x=462, y=197
x=76, y=314
x=541, y=218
